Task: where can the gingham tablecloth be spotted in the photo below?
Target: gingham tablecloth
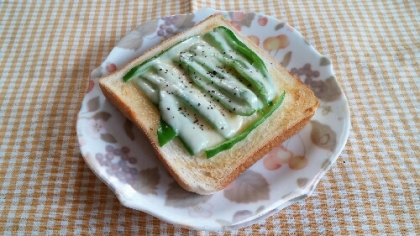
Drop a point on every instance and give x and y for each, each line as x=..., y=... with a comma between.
x=48, y=48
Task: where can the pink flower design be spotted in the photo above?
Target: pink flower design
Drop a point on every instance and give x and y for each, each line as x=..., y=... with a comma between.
x=236, y=25
x=111, y=68
x=277, y=157
x=90, y=86
x=201, y=210
x=95, y=127
x=262, y=21
x=254, y=39
x=238, y=16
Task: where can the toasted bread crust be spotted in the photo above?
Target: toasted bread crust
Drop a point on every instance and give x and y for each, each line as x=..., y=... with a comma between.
x=198, y=174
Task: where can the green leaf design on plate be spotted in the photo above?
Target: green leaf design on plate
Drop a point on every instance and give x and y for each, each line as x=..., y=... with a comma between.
x=109, y=138
x=93, y=104
x=323, y=136
x=324, y=61
x=148, y=181
x=286, y=59
x=102, y=115
x=128, y=128
x=279, y=26
x=180, y=198
x=249, y=187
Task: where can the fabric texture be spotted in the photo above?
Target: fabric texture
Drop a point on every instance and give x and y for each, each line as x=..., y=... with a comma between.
x=48, y=48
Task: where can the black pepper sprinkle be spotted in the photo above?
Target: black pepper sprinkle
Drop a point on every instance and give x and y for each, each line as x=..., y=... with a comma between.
x=199, y=104
x=168, y=108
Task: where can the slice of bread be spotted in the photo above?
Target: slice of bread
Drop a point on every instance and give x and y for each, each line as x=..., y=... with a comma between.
x=197, y=173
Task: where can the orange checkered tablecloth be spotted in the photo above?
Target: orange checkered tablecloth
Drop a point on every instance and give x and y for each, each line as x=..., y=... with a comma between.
x=48, y=48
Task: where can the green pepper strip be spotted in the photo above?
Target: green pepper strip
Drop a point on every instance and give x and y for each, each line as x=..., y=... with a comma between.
x=140, y=69
x=189, y=150
x=242, y=48
x=232, y=141
x=165, y=133
x=239, y=66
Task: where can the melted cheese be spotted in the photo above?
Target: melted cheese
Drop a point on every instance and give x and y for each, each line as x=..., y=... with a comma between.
x=198, y=118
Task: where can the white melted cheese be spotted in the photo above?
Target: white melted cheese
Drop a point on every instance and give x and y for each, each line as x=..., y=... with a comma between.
x=197, y=118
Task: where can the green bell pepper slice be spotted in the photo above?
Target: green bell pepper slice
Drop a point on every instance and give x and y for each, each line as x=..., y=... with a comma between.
x=232, y=141
x=145, y=66
x=165, y=133
x=244, y=50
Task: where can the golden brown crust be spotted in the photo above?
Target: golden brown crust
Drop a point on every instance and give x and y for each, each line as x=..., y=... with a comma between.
x=198, y=174
x=254, y=157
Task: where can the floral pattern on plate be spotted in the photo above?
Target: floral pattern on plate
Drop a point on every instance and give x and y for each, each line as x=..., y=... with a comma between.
x=121, y=156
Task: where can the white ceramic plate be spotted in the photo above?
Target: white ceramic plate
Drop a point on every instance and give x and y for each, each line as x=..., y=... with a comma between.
x=120, y=155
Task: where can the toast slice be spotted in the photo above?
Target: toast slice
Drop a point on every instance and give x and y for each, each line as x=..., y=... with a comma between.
x=208, y=175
